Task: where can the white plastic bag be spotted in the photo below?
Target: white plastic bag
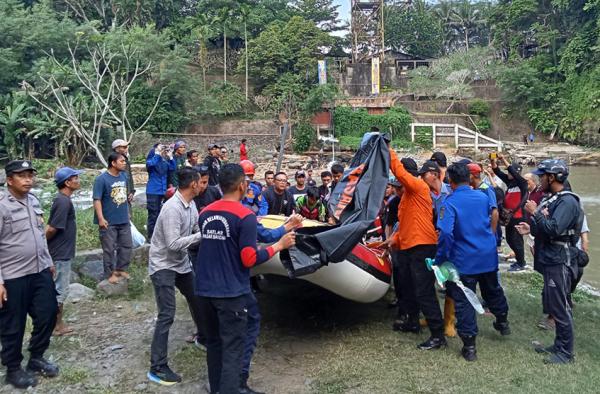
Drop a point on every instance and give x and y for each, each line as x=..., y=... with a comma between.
x=137, y=237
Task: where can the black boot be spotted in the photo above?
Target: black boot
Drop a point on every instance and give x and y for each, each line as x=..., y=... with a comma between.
x=21, y=379
x=469, y=351
x=244, y=389
x=410, y=324
x=501, y=325
x=43, y=367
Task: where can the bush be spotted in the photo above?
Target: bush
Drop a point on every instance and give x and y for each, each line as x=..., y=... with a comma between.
x=483, y=125
x=357, y=122
x=479, y=107
x=304, y=136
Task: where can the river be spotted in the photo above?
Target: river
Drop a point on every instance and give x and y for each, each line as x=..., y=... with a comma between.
x=585, y=181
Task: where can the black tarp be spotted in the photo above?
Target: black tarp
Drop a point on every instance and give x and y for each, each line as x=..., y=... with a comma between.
x=355, y=203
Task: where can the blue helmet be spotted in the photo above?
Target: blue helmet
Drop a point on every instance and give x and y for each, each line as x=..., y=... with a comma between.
x=553, y=166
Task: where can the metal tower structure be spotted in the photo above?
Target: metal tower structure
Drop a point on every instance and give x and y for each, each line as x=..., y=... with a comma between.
x=367, y=27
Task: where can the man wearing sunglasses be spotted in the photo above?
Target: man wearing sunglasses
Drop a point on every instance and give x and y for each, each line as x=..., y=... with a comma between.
x=278, y=197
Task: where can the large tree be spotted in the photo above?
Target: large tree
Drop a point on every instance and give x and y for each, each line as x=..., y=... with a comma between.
x=322, y=12
x=417, y=30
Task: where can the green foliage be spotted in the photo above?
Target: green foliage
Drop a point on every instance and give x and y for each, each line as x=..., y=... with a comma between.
x=416, y=30
x=318, y=96
x=542, y=120
x=424, y=137
x=291, y=47
x=224, y=99
x=304, y=136
x=479, y=107
x=483, y=124
x=356, y=122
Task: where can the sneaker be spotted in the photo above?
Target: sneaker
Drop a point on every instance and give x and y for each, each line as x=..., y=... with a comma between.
x=163, y=376
x=558, y=358
x=42, y=367
x=517, y=268
x=503, y=328
x=244, y=389
x=21, y=379
x=433, y=343
x=540, y=349
x=469, y=353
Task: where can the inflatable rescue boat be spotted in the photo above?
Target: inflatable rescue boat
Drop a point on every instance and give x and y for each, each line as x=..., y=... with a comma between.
x=364, y=276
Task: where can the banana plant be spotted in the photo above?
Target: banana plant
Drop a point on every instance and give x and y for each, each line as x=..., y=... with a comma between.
x=12, y=118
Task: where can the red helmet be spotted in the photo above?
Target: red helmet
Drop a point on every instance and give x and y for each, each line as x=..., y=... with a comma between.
x=170, y=192
x=248, y=167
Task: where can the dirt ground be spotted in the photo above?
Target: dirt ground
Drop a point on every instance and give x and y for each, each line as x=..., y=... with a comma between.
x=109, y=352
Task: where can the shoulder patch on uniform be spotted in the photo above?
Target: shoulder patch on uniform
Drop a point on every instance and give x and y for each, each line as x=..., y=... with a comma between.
x=442, y=211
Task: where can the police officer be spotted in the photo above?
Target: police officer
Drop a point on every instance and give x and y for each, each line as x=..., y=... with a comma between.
x=26, y=284
x=253, y=199
x=466, y=240
x=556, y=226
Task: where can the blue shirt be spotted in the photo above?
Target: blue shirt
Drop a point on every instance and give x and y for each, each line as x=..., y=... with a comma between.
x=158, y=173
x=465, y=237
x=489, y=191
x=111, y=191
x=227, y=251
x=438, y=199
x=268, y=235
x=254, y=200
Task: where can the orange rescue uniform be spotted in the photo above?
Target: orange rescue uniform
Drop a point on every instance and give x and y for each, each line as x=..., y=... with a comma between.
x=415, y=213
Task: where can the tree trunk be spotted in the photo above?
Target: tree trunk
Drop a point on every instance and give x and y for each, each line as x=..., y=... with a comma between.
x=467, y=38
x=224, y=55
x=246, y=45
x=286, y=127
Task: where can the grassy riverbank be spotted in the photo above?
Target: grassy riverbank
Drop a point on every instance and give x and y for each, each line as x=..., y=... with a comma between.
x=315, y=342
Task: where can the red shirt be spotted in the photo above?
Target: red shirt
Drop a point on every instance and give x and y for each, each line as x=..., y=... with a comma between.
x=243, y=152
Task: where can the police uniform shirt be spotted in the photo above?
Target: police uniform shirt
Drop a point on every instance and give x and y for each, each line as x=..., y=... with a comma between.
x=23, y=247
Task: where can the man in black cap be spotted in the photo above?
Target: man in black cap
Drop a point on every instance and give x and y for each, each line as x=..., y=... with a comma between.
x=442, y=162
x=213, y=163
x=512, y=208
x=26, y=284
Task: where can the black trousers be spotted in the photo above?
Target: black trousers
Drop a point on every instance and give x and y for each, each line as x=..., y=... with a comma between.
x=492, y=293
x=556, y=300
x=116, y=241
x=515, y=240
x=35, y=295
x=226, y=322
x=397, y=259
x=153, y=205
x=165, y=282
x=417, y=286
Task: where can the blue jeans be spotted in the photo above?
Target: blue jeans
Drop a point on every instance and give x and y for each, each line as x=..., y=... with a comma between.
x=62, y=280
x=251, y=333
x=153, y=204
x=492, y=293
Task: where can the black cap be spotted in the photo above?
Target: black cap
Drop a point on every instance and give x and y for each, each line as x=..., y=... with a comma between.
x=410, y=165
x=440, y=159
x=16, y=166
x=429, y=166
x=464, y=161
x=517, y=167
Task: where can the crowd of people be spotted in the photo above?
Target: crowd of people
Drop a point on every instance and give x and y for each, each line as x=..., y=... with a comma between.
x=203, y=233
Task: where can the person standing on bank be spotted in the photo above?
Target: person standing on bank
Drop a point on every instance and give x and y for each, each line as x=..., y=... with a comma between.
x=556, y=225
x=466, y=240
x=159, y=164
x=227, y=252
x=122, y=147
x=243, y=150
x=169, y=267
x=26, y=285
x=61, y=233
x=111, y=214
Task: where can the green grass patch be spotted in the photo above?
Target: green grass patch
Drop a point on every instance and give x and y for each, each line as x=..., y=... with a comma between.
x=74, y=375
x=189, y=361
x=372, y=358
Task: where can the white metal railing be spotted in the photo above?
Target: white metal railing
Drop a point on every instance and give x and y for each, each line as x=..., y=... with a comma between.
x=458, y=132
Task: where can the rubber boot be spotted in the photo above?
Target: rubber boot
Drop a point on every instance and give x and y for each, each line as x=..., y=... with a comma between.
x=501, y=324
x=449, y=318
x=469, y=351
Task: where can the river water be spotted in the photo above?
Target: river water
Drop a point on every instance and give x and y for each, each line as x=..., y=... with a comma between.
x=585, y=181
